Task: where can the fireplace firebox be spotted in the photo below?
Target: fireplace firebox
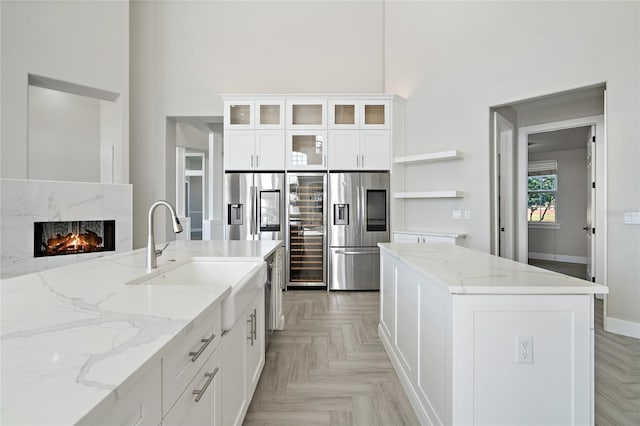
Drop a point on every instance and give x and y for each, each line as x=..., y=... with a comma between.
x=73, y=237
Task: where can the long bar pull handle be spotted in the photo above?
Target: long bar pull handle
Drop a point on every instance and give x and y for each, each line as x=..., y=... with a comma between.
x=251, y=160
x=195, y=355
x=357, y=160
x=356, y=252
x=253, y=220
x=251, y=320
x=257, y=161
x=362, y=162
x=200, y=392
x=255, y=324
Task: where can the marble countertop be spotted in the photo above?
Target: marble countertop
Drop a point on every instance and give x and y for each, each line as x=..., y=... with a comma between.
x=460, y=270
x=71, y=335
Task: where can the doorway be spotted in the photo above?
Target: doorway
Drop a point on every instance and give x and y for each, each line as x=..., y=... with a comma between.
x=523, y=221
x=558, y=193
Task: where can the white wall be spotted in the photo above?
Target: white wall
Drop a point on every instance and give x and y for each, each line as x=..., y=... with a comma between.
x=184, y=54
x=84, y=42
x=571, y=206
x=64, y=136
x=454, y=60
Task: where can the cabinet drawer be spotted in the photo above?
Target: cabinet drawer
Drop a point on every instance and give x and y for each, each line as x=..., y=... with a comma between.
x=188, y=355
x=207, y=409
x=136, y=403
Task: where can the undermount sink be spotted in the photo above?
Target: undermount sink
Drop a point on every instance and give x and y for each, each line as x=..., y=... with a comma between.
x=245, y=278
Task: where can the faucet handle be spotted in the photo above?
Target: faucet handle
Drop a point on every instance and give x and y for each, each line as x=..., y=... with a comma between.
x=159, y=252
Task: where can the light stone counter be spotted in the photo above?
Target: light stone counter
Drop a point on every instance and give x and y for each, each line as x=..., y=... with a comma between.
x=71, y=336
x=464, y=271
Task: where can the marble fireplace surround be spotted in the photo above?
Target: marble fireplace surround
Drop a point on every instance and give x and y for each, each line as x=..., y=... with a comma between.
x=24, y=202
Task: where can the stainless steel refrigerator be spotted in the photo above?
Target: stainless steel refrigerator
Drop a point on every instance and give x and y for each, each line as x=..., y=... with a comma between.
x=254, y=206
x=359, y=220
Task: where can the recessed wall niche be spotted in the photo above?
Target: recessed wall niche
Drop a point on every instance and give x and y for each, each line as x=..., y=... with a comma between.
x=72, y=136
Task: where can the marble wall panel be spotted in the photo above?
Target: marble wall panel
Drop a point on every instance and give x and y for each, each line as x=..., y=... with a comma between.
x=23, y=202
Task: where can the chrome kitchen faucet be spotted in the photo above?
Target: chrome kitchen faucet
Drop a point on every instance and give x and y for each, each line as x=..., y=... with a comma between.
x=152, y=253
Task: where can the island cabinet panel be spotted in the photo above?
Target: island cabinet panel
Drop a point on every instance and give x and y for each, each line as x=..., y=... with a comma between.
x=493, y=387
x=243, y=359
x=458, y=346
x=387, y=298
x=135, y=403
x=201, y=402
x=407, y=318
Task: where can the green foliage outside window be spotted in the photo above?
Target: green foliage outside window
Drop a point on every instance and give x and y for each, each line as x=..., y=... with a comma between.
x=542, y=198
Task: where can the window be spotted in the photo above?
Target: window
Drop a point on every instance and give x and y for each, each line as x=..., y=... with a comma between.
x=542, y=191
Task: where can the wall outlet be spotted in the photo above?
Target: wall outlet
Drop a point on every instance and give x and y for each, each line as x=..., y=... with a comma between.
x=467, y=214
x=524, y=350
x=456, y=214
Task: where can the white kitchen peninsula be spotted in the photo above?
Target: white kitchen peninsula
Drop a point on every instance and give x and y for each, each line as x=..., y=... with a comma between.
x=91, y=343
x=479, y=339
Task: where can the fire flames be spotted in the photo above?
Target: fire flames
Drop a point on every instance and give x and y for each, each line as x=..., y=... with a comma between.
x=84, y=242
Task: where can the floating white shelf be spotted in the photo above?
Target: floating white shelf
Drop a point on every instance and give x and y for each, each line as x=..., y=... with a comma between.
x=429, y=157
x=429, y=194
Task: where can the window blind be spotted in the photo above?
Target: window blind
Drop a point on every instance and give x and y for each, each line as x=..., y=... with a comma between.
x=543, y=167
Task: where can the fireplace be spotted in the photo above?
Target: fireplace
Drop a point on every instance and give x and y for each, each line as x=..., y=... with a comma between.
x=73, y=237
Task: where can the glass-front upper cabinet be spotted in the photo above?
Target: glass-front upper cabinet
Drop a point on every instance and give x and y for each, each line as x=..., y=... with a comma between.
x=375, y=114
x=344, y=114
x=239, y=114
x=307, y=114
x=270, y=114
x=306, y=150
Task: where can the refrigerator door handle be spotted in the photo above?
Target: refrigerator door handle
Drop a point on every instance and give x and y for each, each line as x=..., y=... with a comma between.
x=356, y=252
x=252, y=225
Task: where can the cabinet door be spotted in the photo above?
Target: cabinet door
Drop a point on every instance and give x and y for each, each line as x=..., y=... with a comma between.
x=375, y=114
x=269, y=114
x=344, y=149
x=269, y=152
x=255, y=344
x=205, y=406
x=375, y=150
x=306, y=150
x=234, y=381
x=239, y=150
x=404, y=238
x=307, y=114
x=344, y=114
x=238, y=114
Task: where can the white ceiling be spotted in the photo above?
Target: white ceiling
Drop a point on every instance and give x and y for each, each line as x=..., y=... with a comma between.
x=559, y=140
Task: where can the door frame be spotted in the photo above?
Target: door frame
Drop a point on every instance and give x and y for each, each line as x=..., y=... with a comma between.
x=505, y=140
x=599, y=206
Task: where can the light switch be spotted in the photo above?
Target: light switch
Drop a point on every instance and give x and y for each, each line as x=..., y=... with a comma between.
x=632, y=218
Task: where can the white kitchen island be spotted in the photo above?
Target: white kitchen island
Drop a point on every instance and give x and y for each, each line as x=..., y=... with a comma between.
x=479, y=339
x=94, y=343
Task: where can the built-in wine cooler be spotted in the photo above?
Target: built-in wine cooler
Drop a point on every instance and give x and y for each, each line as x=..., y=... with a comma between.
x=306, y=210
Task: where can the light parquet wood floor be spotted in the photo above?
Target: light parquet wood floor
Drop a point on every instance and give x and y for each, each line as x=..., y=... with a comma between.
x=328, y=366
x=617, y=376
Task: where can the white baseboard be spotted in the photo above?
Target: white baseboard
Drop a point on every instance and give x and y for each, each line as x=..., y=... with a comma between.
x=558, y=257
x=623, y=327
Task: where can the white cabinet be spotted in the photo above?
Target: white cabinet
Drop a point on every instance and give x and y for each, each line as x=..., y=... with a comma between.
x=359, y=150
x=137, y=402
x=359, y=114
x=306, y=113
x=306, y=149
x=201, y=402
x=426, y=237
x=277, y=288
x=455, y=351
x=270, y=114
x=239, y=114
x=243, y=359
x=254, y=150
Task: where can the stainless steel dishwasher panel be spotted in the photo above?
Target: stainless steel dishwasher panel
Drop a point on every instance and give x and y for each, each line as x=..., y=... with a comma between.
x=354, y=268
